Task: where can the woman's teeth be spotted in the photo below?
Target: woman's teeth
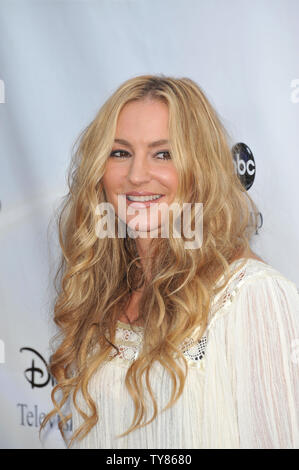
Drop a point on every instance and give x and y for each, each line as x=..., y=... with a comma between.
x=143, y=198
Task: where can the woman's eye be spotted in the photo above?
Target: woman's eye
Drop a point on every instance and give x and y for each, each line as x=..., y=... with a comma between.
x=113, y=154
x=167, y=157
x=124, y=154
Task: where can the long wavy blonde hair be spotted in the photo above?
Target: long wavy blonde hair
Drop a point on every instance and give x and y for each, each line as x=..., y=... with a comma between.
x=95, y=275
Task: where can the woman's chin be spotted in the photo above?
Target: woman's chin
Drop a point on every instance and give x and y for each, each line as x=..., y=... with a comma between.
x=145, y=231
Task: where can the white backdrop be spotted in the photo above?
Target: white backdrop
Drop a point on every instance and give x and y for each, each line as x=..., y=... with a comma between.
x=59, y=61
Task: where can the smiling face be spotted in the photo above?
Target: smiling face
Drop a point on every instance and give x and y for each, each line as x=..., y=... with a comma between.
x=140, y=162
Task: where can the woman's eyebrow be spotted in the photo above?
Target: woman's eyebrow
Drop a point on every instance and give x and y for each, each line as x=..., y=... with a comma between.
x=150, y=145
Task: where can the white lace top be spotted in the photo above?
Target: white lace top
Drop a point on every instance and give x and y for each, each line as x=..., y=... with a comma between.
x=242, y=387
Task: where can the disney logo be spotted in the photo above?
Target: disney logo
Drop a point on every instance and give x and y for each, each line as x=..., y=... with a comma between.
x=38, y=371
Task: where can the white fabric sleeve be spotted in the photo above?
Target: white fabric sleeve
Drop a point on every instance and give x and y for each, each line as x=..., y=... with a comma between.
x=262, y=352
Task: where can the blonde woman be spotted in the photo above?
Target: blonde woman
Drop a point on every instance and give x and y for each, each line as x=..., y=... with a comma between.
x=163, y=345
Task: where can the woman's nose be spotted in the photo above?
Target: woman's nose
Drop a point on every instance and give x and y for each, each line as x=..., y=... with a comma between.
x=139, y=170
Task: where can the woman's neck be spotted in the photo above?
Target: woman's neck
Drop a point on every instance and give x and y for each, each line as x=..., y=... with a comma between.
x=143, y=248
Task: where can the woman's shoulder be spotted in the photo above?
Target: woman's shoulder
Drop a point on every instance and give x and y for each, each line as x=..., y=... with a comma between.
x=244, y=272
x=257, y=269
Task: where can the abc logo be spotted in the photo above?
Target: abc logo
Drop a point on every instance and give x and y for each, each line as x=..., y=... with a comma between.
x=244, y=164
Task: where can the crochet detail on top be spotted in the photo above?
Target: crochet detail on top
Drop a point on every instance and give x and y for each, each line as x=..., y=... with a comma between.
x=129, y=345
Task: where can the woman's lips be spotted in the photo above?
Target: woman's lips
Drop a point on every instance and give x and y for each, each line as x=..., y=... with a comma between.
x=142, y=204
